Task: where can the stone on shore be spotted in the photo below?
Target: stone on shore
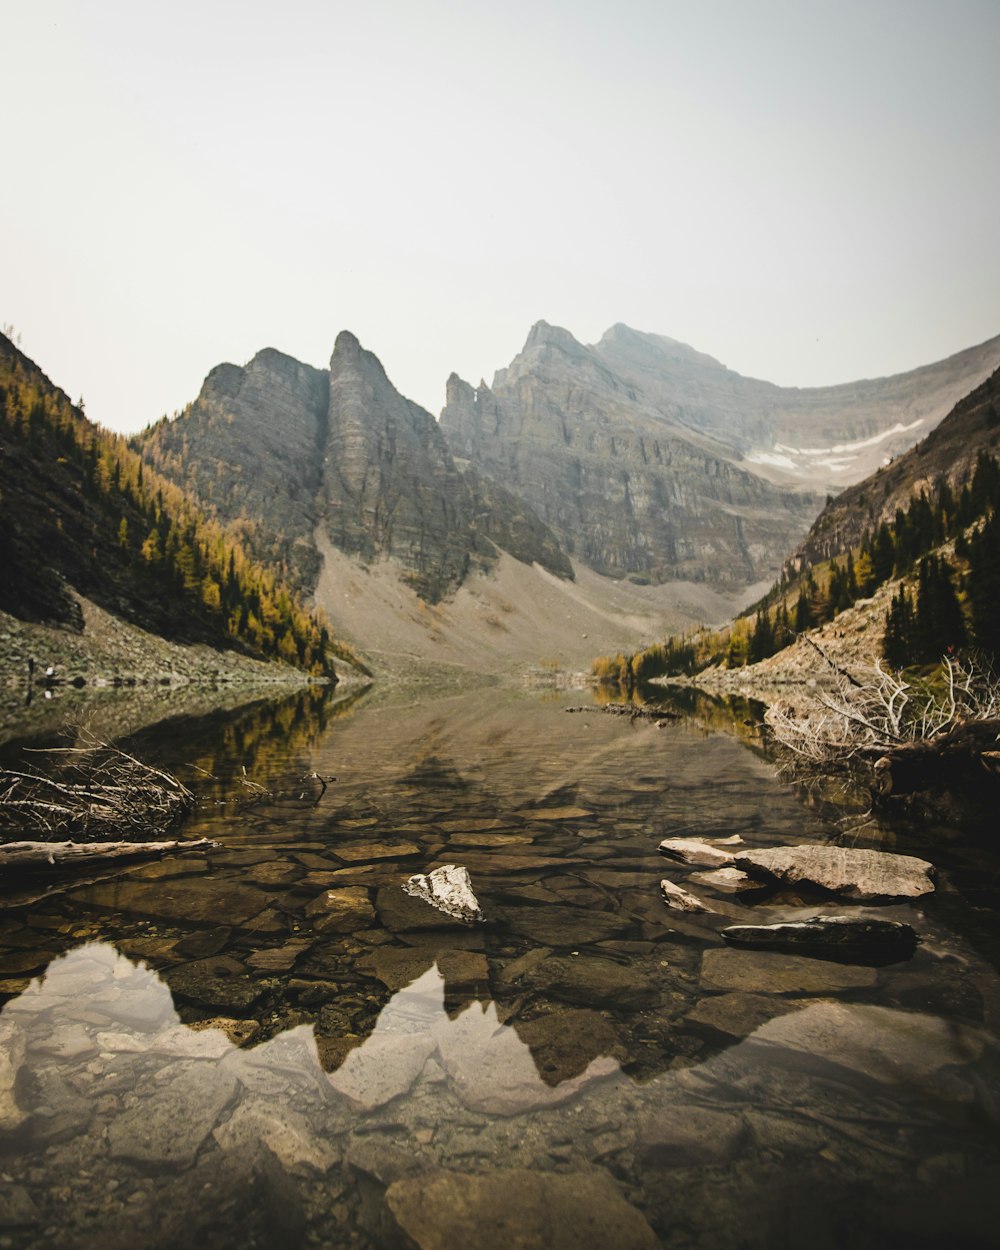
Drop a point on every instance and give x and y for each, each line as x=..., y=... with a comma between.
x=449, y=889
x=850, y=871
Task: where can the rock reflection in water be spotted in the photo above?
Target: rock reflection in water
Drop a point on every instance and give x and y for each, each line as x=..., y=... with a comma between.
x=831, y=1124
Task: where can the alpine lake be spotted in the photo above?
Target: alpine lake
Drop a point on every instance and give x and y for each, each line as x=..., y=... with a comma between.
x=270, y=1043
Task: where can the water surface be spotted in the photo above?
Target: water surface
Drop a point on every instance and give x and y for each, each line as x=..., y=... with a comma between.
x=272, y=1044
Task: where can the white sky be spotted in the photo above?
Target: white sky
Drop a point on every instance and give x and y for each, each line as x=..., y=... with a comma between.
x=807, y=189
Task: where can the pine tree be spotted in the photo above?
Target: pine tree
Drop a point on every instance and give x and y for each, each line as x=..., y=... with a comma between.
x=897, y=641
x=983, y=585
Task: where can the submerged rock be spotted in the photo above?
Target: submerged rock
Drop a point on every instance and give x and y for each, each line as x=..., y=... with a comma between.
x=517, y=1208
x=737, y=1014
x=889, y=1046
x=851, y=871
x=449, y=889
x=771, y=972
x=674, y=1135
x=171, y=1119
x=681, y=900
x=343, y=910
x=727, y=880
x=852, y=939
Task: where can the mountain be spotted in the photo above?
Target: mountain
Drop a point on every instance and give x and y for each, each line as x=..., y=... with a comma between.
x=277, y=449
x=903, y=567
x=947, y=455
x=649, y=458
x=81, y=515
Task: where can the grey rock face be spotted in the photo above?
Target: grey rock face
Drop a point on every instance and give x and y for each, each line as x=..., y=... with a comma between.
x=647, y=457
x=250, y=449
x=276, y=448
x=623, y=492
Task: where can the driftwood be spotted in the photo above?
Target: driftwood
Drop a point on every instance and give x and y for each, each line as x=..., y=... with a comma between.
x=966, y=757
x=94, y=793
x=26, y=856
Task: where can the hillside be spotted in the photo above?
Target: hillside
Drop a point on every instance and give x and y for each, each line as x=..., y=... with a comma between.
x=947, y=454
x=902, y=568
x=81, y=513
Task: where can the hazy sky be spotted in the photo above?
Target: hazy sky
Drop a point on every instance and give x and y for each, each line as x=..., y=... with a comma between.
x=807, y=190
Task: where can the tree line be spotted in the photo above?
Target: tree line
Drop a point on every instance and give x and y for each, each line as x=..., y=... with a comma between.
x=948, y=598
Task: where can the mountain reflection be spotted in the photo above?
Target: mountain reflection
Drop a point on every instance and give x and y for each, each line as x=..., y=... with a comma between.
x=118, y=1121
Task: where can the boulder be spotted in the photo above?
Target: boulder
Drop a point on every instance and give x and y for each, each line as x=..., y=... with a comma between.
x=850, y=871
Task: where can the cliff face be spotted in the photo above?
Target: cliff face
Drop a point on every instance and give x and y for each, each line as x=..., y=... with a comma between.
x=276, y=448
x=649, y=458
x=818, y=438
x=626, y=490
x=250, y=450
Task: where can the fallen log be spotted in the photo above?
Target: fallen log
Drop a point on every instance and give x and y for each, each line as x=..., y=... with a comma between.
x=966, y=757
x=29, y=856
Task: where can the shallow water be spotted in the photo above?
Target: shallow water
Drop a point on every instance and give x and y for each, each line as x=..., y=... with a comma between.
x=271, y=1044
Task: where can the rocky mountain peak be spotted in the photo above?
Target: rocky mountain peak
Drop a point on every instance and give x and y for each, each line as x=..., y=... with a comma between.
x=544, y=335
x=652, y=350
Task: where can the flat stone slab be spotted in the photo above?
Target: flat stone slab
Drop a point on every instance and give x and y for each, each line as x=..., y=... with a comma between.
x=852, y=939
x=726, y=880
x=695, y=851
x=770, y=972
x=342, y=910
x=889, y=1046
x=850, y=871
x=516, y=1209
x=363, y=852
x=556, y=813
x=738, y=1014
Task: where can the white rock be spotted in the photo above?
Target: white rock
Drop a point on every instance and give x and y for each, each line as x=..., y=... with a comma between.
x=449, y=889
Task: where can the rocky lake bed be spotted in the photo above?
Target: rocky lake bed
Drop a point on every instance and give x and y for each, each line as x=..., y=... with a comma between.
x=277, y=1040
